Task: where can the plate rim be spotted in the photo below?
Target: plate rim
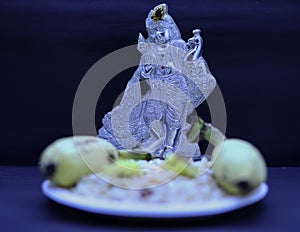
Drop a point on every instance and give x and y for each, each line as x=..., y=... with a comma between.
x=146, y=210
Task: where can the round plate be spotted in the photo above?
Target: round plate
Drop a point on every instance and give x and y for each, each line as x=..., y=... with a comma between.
x=147, y=210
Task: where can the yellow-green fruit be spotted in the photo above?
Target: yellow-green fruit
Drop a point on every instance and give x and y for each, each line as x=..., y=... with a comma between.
x=180, y=165
x=66, y=160
x=238, y=166
x=123, y=168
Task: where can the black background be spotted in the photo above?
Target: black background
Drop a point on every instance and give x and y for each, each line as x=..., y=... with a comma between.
x=46, y=47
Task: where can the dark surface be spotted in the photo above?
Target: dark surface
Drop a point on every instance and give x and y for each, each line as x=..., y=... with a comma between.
x=24, y=206
x=251, y=46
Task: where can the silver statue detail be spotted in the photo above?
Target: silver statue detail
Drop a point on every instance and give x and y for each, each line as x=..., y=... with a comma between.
x=171, y=80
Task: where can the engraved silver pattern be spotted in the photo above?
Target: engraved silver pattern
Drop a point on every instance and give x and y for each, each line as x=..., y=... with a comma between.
x=171, y=81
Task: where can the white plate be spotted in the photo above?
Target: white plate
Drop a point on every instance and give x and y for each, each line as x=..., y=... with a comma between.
x=147, y=210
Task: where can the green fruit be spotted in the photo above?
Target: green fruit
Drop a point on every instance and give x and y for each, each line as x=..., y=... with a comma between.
x=238, y=166
x=180, y=165
x=135, y=155
x=66, y=160
x=123, y=168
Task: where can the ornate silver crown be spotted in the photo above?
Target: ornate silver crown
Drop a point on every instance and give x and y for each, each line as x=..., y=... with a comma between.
x=159, y=18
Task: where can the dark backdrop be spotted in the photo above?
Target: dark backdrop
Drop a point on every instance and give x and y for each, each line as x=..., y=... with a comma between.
x=46, y=47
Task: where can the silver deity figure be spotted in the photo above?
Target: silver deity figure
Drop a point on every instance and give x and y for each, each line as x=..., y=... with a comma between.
x=171, y=80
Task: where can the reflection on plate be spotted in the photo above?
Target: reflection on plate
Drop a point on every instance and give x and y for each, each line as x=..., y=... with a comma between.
x=146, y=210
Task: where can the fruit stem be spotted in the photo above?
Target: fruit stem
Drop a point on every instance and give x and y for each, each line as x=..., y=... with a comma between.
x=201, y=130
